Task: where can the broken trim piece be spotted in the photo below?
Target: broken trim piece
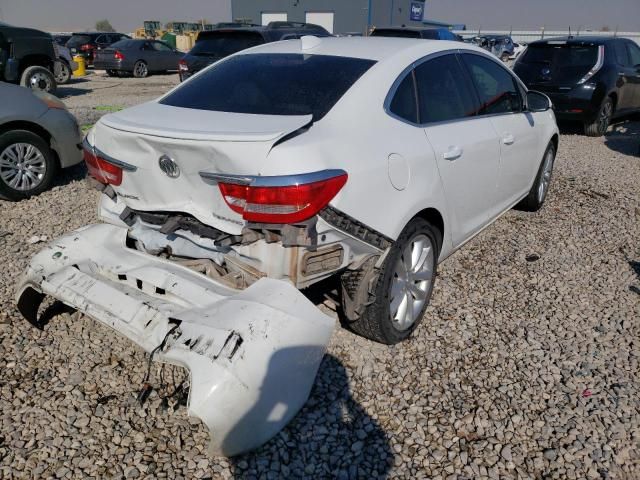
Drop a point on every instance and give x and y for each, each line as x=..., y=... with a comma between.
x=353, y=227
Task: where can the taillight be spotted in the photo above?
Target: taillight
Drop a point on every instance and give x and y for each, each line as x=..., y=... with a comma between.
x=182, y=66
x=264, y=200
x=86, y=47
x=102, y=170
x=596, y=68
x=118, y=55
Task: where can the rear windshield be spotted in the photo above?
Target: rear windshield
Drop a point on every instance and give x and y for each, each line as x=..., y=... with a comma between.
x=271, y=84
x=78, y=40
x=388, y=32
x=126, y=45
x=558, y=56
x=223, y=44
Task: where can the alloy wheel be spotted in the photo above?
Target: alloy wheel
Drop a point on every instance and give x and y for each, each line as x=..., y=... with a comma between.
x=140, y=70
x=605, y=116
x=411, y=282
x=22, y=166
x=40, y=81
x=545, y=179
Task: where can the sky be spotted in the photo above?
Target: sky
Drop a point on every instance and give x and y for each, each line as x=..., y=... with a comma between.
x=127, y=15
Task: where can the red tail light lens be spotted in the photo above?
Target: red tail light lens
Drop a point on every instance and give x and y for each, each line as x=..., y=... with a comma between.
x=101, y=170
x=182, y=66
x=281, y=204
x=118, y=55
x=86, y=47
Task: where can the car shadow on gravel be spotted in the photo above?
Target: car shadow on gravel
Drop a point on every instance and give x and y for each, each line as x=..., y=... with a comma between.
x=69, y=175
x=331, y=437
x=624, y=138
x=66, y=92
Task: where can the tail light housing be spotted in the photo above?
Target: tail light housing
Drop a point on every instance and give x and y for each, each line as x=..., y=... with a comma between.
x=118, y=55
x=100, y=168
x=596, y=68
x=182, y=65
x=281, y=199
x=86, y=47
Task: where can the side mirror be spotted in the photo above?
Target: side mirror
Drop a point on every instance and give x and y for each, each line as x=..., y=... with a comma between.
x=538, y=102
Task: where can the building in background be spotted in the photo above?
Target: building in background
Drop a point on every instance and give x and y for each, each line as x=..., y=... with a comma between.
x=337, y=16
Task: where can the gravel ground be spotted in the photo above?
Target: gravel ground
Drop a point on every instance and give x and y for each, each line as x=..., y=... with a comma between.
x=525, y=366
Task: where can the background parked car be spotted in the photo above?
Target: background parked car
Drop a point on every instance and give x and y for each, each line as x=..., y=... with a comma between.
x=61, y=39
x=138, y=57
x=216, y=44
x=87, y=43
x=27, y=57
x=518, y=48
x=37, y=137
x=413, y=32
x=589, y=79
x=501, y=46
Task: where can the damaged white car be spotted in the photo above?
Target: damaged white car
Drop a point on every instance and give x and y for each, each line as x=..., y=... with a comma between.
x=277, y=167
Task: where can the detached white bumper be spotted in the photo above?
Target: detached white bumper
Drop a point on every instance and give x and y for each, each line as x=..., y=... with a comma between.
x=253, y=354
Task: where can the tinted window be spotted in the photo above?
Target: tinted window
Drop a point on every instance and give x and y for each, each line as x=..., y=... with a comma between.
x=77, y=40
x=223, y=44
x=403, y=103
x=622, y=56
x=271, y=84
x=496, y=87
x=161, y=47
x=443, y=93
x=634, y=53
x=389, y=32
x=561, y=55
x=127, y=45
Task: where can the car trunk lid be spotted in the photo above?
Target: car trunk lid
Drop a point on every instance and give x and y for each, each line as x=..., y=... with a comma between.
x=195, y=141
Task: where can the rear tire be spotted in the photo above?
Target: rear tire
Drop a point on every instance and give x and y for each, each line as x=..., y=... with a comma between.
x=505, y=57
x=38, y=78
x=387, y=305
x=64, y=73
x=140, y=69
x=602, y=121
x=27, y=164
x=538, y=193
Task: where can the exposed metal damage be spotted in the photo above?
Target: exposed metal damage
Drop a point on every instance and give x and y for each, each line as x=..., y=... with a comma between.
x=252, y=354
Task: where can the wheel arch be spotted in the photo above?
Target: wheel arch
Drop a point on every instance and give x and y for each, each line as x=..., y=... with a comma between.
x=35, y=60
x=33, y=128
x=435, y=218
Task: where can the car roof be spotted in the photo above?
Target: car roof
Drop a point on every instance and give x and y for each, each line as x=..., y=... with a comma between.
x=411, y=29
x=372, y=48
x=577, y=40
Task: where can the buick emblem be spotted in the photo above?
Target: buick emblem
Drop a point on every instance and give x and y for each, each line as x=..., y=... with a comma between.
x=169, y=166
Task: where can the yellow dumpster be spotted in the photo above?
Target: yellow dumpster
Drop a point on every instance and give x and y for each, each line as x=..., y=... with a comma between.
x=82, y=66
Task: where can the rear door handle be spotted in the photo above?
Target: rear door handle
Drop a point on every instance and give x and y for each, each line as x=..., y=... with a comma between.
x=508, y=139
x=453, y=153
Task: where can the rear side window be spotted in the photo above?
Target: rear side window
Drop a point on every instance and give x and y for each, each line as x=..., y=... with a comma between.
x=404, y=103
x=495, y=86
x=622, y=56
x=634, y=53
x=271, y=84
x=443, y=92
x=127, y=45
x=223, y=44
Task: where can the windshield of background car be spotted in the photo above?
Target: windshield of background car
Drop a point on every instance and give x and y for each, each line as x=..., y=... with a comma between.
x=271, y=84
x=223, y=44
x=77, y=40
x=383, y=32
x=565, y=62
x=126, y=44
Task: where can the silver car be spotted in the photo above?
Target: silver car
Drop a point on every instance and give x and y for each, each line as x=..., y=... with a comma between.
x=37, y=137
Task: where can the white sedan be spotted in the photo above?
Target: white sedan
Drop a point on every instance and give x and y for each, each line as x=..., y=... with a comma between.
x=369, y=158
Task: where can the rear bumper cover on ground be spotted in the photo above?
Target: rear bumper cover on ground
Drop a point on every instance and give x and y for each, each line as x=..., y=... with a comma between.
x=252, y=355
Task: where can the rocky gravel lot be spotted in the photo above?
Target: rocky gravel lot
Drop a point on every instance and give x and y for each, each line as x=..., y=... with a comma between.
x=525, y=366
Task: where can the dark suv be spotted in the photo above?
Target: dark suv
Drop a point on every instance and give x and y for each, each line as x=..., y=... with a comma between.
x=589, y=79
x=218, y=43
x=27, y=57
x=86, y=43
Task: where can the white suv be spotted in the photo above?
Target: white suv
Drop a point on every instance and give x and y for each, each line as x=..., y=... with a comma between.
x=369, y=158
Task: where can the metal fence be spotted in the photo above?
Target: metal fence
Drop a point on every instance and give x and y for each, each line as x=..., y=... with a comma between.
x=526, y=36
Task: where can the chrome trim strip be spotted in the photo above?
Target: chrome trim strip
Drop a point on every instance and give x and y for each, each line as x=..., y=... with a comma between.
x=108, y=158
x=273, y=181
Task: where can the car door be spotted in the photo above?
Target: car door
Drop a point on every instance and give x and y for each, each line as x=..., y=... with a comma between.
x=626, y=74
x=465, y=145
x=501, y=102
x=634, y=60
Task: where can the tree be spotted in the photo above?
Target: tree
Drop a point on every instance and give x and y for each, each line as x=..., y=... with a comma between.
x=104, y=26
